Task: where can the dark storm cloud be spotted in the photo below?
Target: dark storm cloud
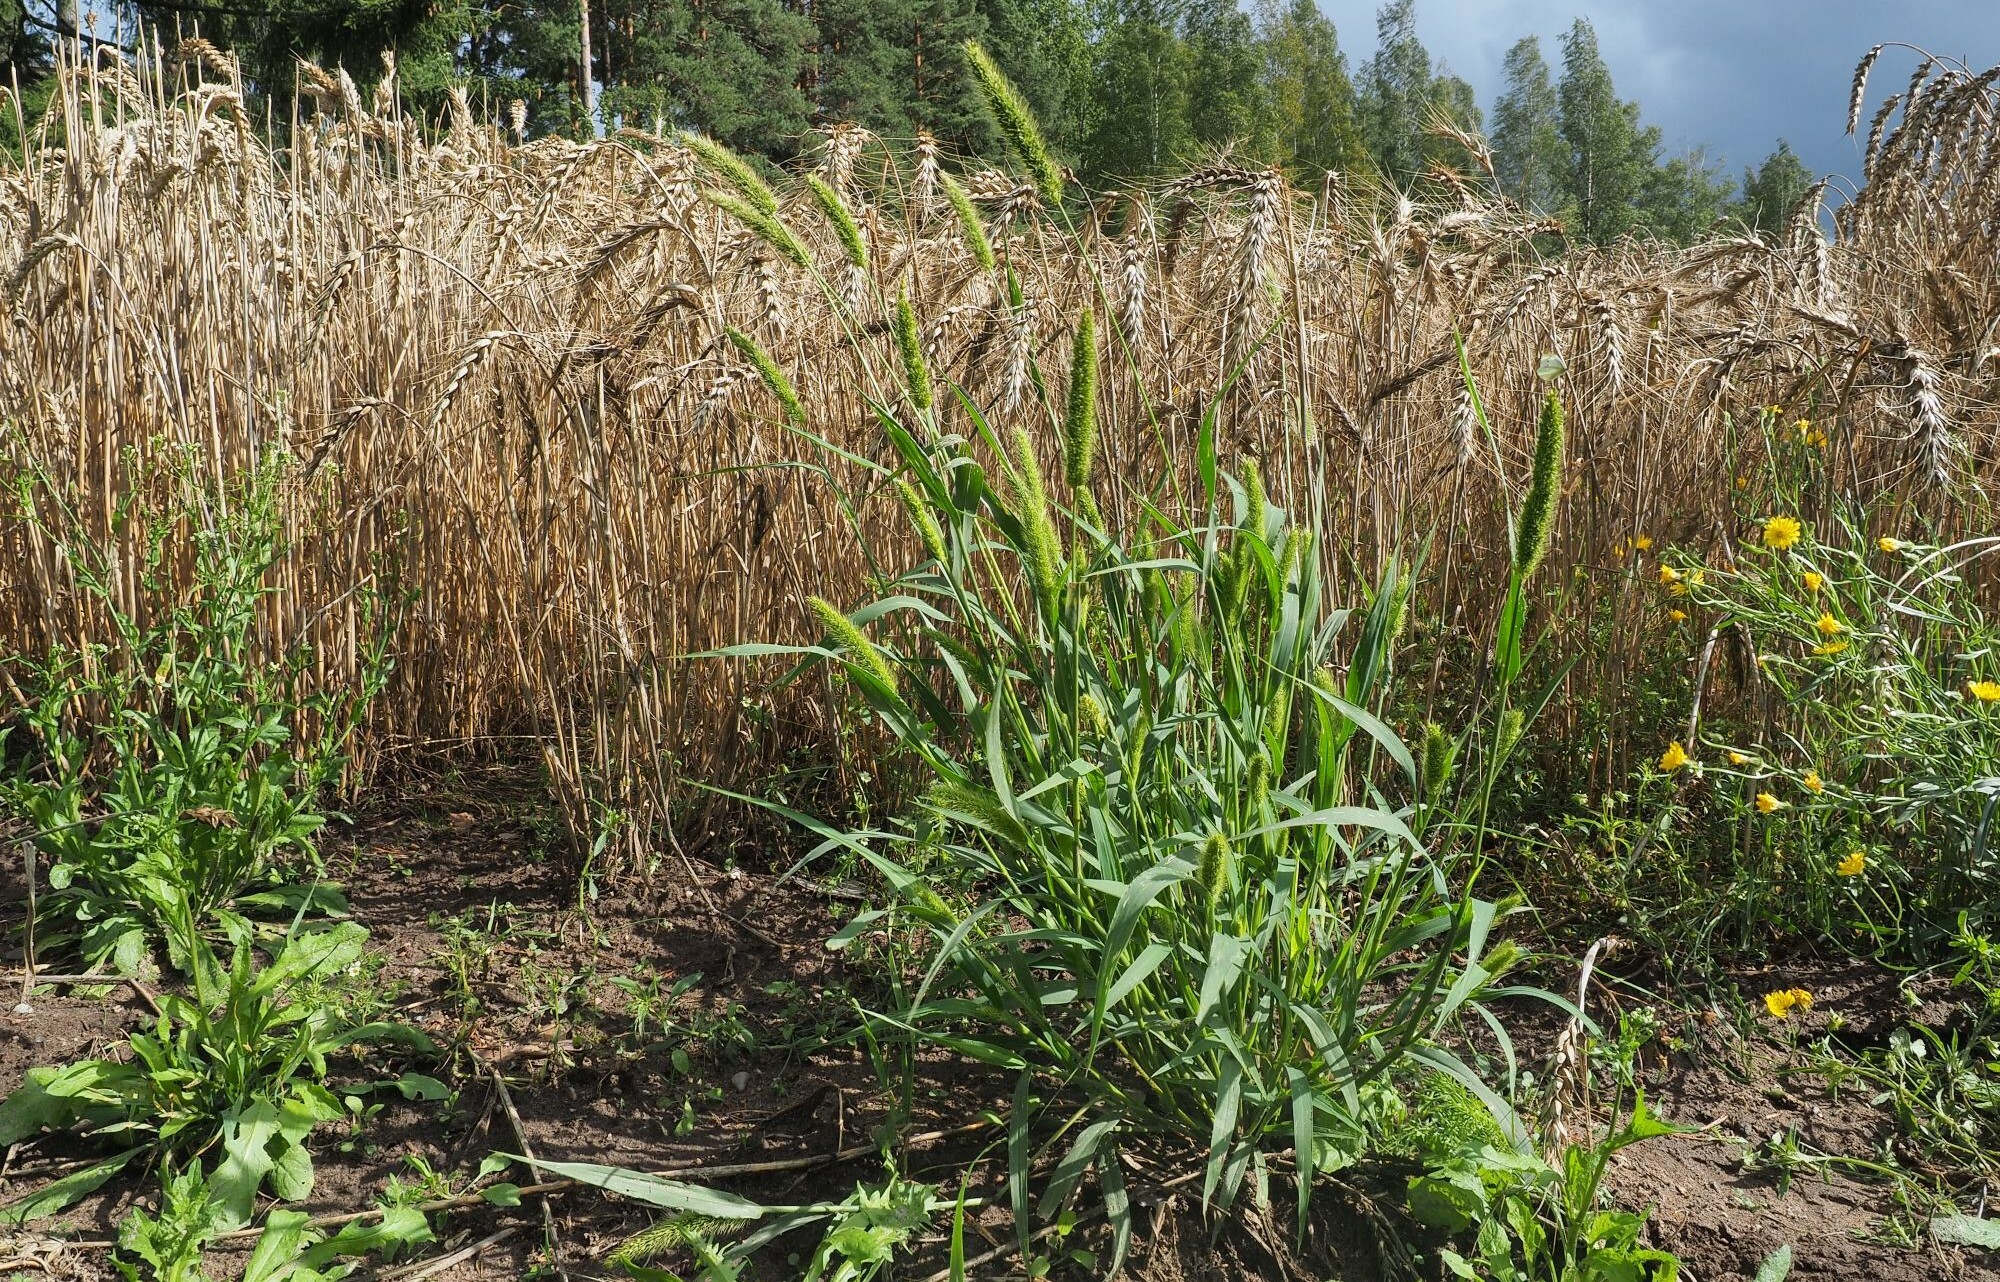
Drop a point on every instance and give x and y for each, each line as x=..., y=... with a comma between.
x=1732, y=75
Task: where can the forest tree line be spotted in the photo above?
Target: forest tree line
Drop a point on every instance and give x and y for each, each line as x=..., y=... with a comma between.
x=1125, y=89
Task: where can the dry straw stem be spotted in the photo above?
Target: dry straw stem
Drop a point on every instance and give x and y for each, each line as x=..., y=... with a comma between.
x=535, y=435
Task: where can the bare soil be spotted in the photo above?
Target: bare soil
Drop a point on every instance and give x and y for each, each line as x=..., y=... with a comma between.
x=479, y=940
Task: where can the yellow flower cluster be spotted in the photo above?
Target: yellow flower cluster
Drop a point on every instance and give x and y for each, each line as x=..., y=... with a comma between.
x=1813, y=581
x=1674, y=757
x=1678, y=616
x=1888, y=544
x=1853, y=865
x=1812, y=782
x=1784, y=1001
x=1811, y=435
x=1768, y=804
x=1828, y=625
x=1984, y=691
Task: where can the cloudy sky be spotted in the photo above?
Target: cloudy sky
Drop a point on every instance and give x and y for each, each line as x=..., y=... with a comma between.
x=1736, y=75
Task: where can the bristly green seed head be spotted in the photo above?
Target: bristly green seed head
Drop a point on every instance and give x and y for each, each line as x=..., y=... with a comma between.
x=1538, y=510
x=666, y=1236
x=1278, y=722
x=732, y=169
x=1010, y=112
x=774, y=377
x=924, y=519
x=1511, y=725
x=969, y=221
x=1044, y=546
x=980, y=808
x=1135, y=748
x=848, y=636
x=1257, y=783
x=851, y=243
x=766, y=225
x=1080, y=420
x=1090, y=716
x=1253, y=497
x=1213, y=871
x=1435, y=768
x=916, y=374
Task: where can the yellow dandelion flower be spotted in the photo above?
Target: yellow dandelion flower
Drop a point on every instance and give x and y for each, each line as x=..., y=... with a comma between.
x=1781, y=532
x=1695, y=577
x=1738, y=758
x=1742, y=482
x=1774, y=410
x=1888, y=544
x=1643, y=542
x=1828, y=649
x=1674, y=757
x=1784, y=1001
x=1768, y=804
x=1678, y=616
x=1853, y=865
x=1669, y=576
x=1812, y=782
x=1984, y=691
x=1828, y=625
x=1814, y=582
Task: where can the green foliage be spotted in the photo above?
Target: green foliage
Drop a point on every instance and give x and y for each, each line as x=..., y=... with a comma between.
x=1143, y=84
x=173, y=776
x=1882, y=774
x=1537, y=1220
x=861, y=1237
x=1608, y=153
x=1232, y=965
x=1773, y=190
x=1528, y=155
x=232, y=1071
x=1311, y=125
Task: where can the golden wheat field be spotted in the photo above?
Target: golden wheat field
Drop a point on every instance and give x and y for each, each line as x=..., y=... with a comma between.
x=504, y=368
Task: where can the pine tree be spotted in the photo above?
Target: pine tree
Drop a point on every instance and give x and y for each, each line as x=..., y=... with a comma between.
x=1312, y=113
x=897, y=66
x=1606, y=155
x=730, y=68
x=1772, y=190
x=1527, y=147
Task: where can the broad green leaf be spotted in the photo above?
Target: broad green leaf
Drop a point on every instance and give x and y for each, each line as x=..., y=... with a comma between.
x=1777, y=1266
x=51, y=1198
x=1967, y=1230
x=246, y=1160
x=672, y=1195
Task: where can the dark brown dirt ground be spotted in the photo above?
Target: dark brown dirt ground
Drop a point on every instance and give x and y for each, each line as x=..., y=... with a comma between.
x=529, y=998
